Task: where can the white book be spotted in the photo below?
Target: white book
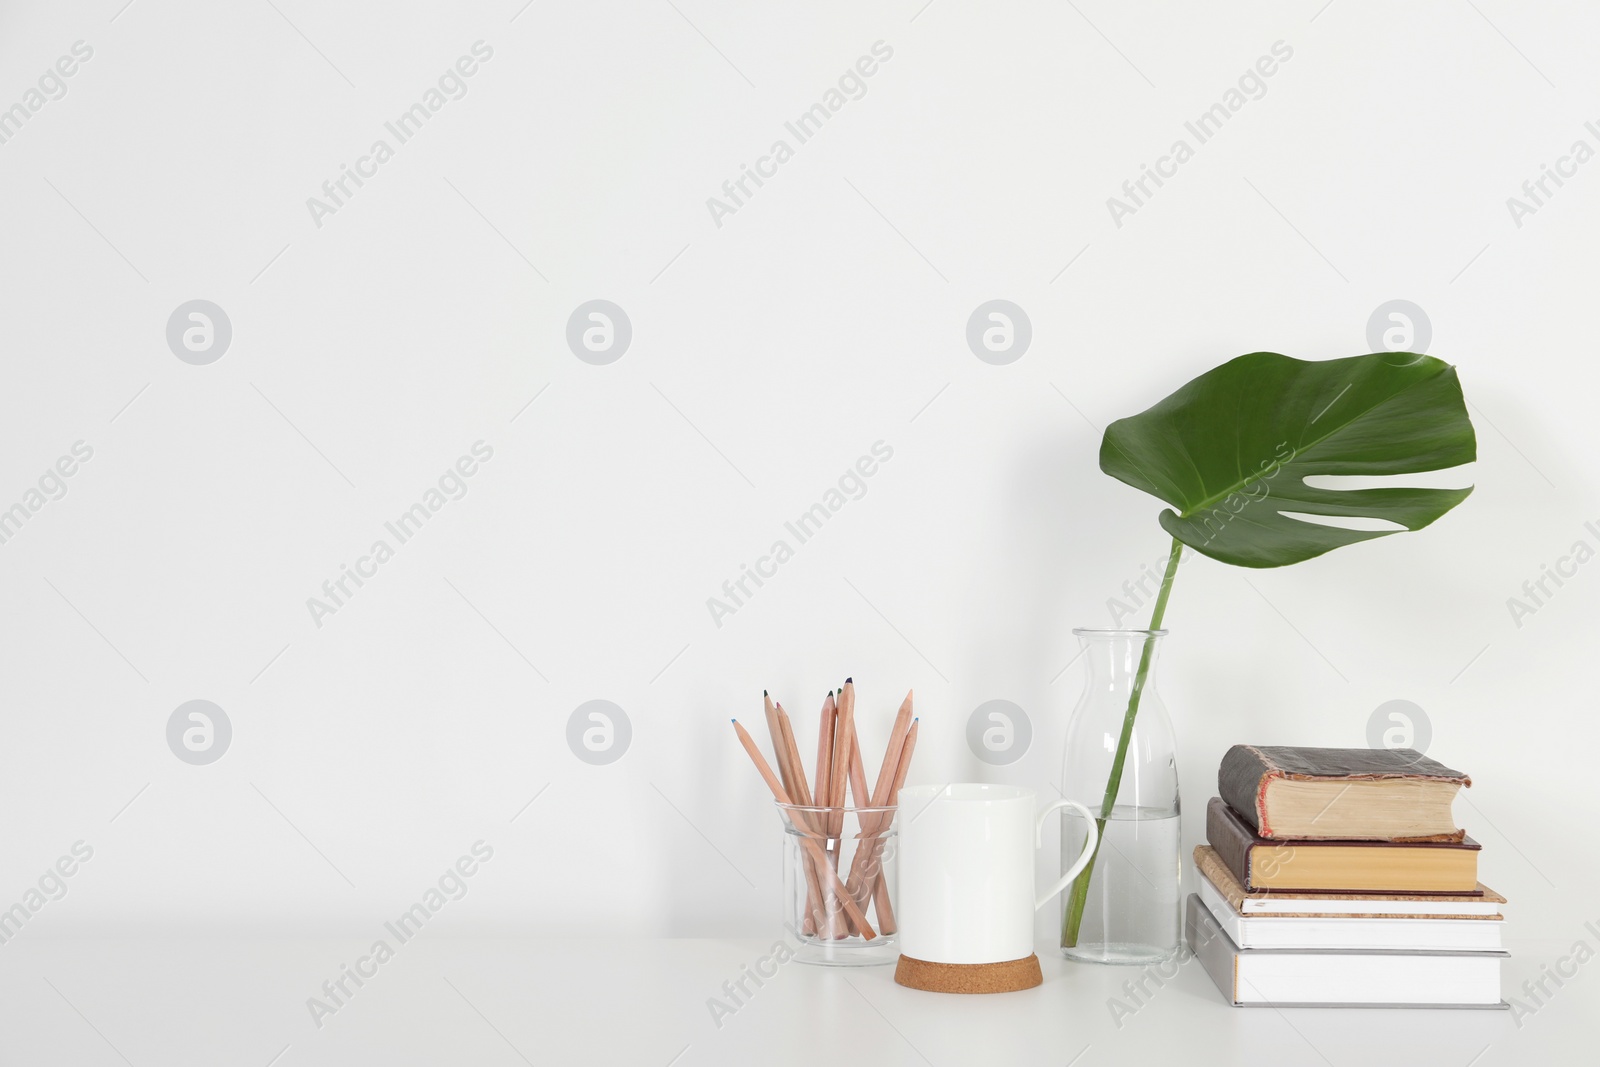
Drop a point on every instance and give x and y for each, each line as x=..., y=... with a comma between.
x=1342, y=977
x=1308, y=905
x=1350, y=932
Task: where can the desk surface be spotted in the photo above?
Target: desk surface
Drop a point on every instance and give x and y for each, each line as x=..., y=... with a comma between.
x=443, y=1000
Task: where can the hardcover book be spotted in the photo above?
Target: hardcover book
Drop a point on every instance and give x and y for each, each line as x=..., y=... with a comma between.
x=1341, y=793
x=1317, y=978
x=1483, y=903
x=1320, y=866
x=1415, y=933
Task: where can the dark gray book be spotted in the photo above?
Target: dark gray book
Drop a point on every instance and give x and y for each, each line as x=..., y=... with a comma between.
x=1341, y=793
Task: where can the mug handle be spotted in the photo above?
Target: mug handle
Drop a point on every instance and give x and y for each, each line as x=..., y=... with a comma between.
x=1089, y=845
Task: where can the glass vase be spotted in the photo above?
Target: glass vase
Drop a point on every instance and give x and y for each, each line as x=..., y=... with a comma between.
x=1126, y=906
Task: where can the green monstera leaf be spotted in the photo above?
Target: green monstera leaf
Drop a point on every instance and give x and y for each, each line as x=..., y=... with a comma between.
x=1231, y=452
x=1232, y=449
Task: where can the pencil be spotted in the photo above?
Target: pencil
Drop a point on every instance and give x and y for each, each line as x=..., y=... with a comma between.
x=859, y=799
x=843, y=734
x=811, y=846
x=791, y=752
x=825, y=752
x=822, y=798
x=880, y=888
x=793, y=773
x=882, y=797
x=785, y=772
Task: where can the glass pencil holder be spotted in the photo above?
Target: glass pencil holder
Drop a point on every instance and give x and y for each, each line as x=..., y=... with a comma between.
x=839, y=879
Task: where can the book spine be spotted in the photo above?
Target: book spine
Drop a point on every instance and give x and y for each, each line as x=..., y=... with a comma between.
x=1240, y=782
x=1212, y=947
x=1231, y=840
x=1216, y=872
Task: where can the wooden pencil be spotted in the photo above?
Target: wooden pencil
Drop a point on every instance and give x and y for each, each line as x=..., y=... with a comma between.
x=778, y=794
x=786, y=775
x=785, y=772
x=825, y=752
x=882, y=792
x=880, y=888
x=792, y=770
x=821, y=798
x=843, y=734
x=882, y=797
x=792, y=754
x=859, y=799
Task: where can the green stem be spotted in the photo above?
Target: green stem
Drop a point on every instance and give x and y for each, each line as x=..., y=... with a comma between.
x=1080, y=886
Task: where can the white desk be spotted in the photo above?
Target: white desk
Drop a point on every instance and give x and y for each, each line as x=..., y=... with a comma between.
x=453, y=1001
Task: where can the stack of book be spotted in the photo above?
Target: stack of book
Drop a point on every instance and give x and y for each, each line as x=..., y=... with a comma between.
x=1338, y=877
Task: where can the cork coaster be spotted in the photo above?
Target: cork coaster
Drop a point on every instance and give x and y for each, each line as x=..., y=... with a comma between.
x=1007, y=977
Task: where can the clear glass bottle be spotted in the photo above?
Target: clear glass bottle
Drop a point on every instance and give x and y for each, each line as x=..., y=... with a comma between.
x=1129, y=911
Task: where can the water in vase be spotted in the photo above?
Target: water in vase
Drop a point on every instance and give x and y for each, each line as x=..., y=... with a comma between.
x=1126, y=907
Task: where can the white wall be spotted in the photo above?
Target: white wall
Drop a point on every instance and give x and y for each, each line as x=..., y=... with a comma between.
x=768, y=353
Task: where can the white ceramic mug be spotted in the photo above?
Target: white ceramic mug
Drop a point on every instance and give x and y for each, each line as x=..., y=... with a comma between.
x=966, y=871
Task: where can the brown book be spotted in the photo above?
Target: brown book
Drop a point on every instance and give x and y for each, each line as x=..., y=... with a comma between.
x=1368, y=794
x=1484, y=904
x=1320, y=866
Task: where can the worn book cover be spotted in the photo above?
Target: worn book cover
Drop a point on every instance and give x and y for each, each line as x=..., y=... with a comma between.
x=1341, y=793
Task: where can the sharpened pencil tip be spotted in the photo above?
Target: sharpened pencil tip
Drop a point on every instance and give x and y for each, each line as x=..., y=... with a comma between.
x=734, y=721
x=849, y=681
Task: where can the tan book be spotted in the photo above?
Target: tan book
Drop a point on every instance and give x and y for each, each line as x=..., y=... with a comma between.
x=1483, y=904
x=1340, y=866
